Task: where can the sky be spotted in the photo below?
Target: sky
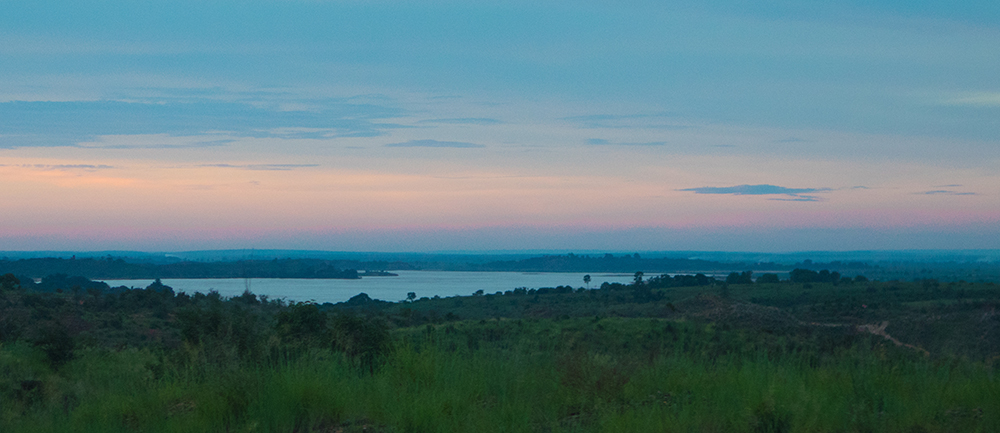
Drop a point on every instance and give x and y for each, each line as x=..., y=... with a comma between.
x=503, y=125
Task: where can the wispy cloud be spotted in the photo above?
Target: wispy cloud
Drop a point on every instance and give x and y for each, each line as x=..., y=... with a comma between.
x=792, y=140
x=434, y=143
x=265, y=167
x=944, y=192
x=34, y=124
x=638, y=121
x=155, y=141
x=465, y=121
x=981, y=99
x=799, y=198
x=603, y=142
x=306, y=133
x=87, y=167
x=793, y=194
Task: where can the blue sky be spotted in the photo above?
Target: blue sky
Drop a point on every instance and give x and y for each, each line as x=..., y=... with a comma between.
x=460, y=125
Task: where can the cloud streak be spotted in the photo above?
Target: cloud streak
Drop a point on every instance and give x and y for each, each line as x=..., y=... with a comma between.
x=261, y=167
x=632, y=121
x=482, y=121
x=793, y=194
x=88, y=167
x=944, y=192
x=436, y=143
x=983, y=99
x=158, y=141
x=36, y=124
x=793, y=140
x=603, y=142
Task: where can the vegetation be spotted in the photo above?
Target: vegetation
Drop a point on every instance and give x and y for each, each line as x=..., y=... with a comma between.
x=665, y=353
x=971, y=269
x=111, y=268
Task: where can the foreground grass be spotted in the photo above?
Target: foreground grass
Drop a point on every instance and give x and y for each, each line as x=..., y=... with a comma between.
x=512, y=376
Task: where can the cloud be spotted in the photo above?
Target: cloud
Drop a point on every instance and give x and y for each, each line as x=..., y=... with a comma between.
x=155, y=141
x=87, y=167
x=982, y=99
x=465, y=121
x=265, y=167
x=46, y=123
x=637, y=121
x=302, y=133
x=435, y=143
x=799, y=198
x=603, y=142
x=944, y=192
x=795, y=194
x=792, y=140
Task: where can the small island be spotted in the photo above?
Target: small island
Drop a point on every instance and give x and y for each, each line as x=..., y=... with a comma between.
x=369, y=273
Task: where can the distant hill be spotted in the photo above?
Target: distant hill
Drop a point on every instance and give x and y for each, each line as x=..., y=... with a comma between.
x=109, y=268
x=969, y=265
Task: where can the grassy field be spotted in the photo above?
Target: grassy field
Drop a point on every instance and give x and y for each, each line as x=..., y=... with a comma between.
x=740, y=358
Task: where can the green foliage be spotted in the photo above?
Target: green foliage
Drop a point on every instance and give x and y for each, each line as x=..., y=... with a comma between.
x=303, y=321
x=54, y=340
x=9, y=282
x=810, y=276
x=656, y=356
x=745, y=277
x=768, y=279
x=365, y=340
x=570, y=375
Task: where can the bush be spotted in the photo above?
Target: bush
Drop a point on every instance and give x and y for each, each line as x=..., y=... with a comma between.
x=768, y=279
x=57, y=344
x=303, y=321
x=365, y=340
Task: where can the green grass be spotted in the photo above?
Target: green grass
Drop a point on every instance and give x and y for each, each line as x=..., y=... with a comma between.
x=532, y=376
x=684, y=359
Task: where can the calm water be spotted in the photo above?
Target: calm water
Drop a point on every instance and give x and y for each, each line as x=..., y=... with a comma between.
x=423, y=283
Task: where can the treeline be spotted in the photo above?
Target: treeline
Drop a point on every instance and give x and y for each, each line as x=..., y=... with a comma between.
x=584, y=263
x=795, y=276
x=631, y=262
x=234, y=331
x=111, y=268
x=667, y=353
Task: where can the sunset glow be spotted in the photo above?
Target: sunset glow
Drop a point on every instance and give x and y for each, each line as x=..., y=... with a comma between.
x=485, y=126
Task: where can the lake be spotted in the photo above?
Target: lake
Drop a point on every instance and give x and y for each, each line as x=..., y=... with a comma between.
x=423, y=283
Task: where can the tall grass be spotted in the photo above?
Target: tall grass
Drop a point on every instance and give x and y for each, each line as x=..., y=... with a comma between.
x=511, y=376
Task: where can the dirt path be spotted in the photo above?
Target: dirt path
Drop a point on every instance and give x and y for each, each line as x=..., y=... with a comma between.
x=878, y=329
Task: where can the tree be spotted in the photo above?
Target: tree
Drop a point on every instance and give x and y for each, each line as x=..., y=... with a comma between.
x=303, y=321
x=365, y=340
x=767, y=279
x=411, y=296
x=10, y=282
x=745, y=277
x=798, y=275
x=732, y=278
x=586, y=280
x=638, y=277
